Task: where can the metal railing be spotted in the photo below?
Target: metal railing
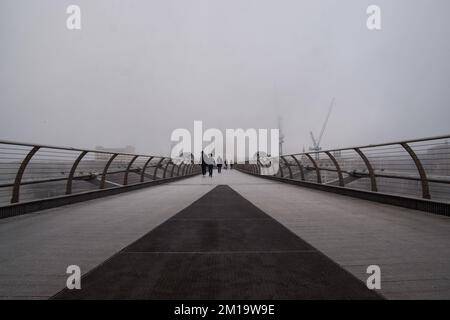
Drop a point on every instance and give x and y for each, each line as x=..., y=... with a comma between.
x=417, y=168
x=32, y=172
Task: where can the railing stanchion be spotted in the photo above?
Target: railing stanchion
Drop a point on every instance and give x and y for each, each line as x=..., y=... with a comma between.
x=338, y=168
x=72, y=172
x=125, y=178
x=258, y=167
x=420, y=168
x=173, y=169
x=145, y=167
x=373, y=181
x=156, y=168
x=165, y=168
x=280, y=169
x=288, y=166
x=300, y=167
x=18, y=180
x=319, y=178
x=105, y=170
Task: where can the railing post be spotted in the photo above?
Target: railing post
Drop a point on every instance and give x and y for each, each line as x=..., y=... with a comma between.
x=288, y=166
x=165, y=168
x=420, y=168
x=173, y=169
x=179, y=167
x=125, y=178
x=156, y=168
x=72, y=172
x=281, y=170
x=258, y=168
x=105, y=170
x=373, y=181
x=338, y=168
x=18, y=180
x=319, y=178
x=145, y=167
x=300, y=167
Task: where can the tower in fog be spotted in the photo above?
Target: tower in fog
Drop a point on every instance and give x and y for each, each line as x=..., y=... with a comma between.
x=281, y=138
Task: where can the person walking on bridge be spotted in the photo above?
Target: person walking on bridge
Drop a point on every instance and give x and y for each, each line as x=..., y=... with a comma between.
x=211, y=162
x=219, y=164
x=204, y=163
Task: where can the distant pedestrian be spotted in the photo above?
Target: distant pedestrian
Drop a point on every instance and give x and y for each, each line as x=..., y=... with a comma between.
x=204, y=164
x=211, y=163
x=219, y=164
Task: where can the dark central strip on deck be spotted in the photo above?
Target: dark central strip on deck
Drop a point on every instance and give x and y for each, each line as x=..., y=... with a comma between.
x=220, y=247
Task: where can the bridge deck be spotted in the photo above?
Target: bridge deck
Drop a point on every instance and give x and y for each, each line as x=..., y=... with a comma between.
x=220, y=247
x=411, y=247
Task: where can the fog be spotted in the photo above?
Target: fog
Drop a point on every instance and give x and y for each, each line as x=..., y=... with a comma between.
x=137, y=70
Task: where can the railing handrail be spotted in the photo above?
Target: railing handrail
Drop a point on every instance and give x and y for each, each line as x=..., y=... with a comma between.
x=26, y=144
x=447, y=136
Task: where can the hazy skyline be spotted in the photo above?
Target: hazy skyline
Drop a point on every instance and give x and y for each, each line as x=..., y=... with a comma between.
x=137, y=70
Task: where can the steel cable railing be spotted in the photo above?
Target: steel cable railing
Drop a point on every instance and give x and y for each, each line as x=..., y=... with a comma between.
x=32, y=172
x=417, y=168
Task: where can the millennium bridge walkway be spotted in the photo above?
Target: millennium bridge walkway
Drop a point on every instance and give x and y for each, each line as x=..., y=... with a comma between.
x=150, y=227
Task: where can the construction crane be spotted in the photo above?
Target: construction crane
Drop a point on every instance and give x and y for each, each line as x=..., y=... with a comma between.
x=316, y=142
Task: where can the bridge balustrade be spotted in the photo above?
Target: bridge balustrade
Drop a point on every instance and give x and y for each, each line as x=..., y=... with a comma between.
x=30, y=172
x=418, y=168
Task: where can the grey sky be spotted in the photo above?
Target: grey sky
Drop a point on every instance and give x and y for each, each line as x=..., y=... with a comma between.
x=139, y=69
